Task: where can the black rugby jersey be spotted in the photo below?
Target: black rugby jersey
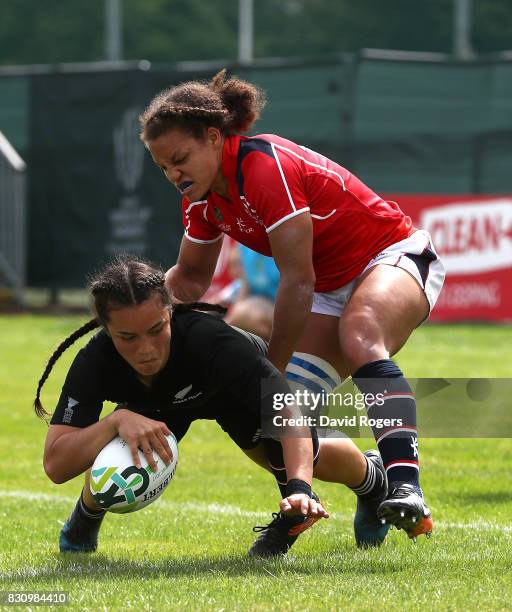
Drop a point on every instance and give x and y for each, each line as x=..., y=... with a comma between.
x=212, y=367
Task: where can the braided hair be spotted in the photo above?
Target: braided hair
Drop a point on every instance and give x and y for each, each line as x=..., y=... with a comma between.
x=125, y=281
x=231, y=105
x=78, y=333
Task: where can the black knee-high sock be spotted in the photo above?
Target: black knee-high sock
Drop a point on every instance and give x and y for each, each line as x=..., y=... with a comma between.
x=398, y=444
x=275, y=459
x=84, y=514
x=373, y=485
x=281, y=478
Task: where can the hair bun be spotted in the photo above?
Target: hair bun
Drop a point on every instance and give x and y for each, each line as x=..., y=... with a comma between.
x=228, y=104
x=243, y=100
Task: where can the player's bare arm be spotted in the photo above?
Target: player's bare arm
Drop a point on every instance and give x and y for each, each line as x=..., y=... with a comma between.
x=69, y=451
x=192, y=274
x=298, y=456
x=292, y=247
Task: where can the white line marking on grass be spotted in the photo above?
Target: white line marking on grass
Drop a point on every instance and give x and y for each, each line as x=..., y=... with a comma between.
x=212, y=509
x=236, y=511
x=174, y=506
x=477, y=526
x=29, y=496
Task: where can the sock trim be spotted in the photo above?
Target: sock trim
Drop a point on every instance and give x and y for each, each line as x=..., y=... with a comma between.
x=91, y=514
x=381, y=368
x=369, y=480
x=409, y=429
x=411, y=464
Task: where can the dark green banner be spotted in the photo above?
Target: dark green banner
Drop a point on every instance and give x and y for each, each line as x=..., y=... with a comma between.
x=402, y=126
x=94, y=189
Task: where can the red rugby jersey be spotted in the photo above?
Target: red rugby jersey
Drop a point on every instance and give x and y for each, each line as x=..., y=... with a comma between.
x=271, y=180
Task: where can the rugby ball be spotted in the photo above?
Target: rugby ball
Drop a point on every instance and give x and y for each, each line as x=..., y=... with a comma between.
x=119, y=486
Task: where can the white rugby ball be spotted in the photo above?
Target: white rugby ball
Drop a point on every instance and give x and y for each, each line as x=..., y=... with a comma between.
x=119, y=486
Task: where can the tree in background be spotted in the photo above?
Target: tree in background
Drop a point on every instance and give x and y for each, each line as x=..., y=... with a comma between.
x=176, y=30
x=33, y=32
x=309, y=27
x=492, y=25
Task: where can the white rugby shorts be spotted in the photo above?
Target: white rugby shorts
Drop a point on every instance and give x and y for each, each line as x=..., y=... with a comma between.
x=415, y=254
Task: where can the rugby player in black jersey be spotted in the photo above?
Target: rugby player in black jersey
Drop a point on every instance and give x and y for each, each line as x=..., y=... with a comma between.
x=166, y=365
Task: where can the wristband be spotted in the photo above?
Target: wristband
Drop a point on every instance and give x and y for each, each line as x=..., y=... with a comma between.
x=295, y=485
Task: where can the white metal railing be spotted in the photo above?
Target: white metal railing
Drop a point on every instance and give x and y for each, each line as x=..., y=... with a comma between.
x=12, y=220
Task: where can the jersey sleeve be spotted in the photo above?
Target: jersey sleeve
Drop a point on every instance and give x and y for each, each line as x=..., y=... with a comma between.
x=197, y=227
x=81, y=400
x=273, y=185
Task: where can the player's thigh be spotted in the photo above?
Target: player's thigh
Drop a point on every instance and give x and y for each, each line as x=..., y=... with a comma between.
x=384, y=309
x=320, y=338
x=245, y=431
x=265, y=451
x=243, y=427
x=258, y=454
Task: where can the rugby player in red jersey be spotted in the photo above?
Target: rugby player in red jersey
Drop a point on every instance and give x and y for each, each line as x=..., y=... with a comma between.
x=356, y=277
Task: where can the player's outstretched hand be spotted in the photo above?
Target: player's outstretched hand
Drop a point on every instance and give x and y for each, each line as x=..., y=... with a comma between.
x=145, y=434
x=300, y=503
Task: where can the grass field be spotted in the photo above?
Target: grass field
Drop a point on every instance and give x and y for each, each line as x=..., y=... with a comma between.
x=189, y=549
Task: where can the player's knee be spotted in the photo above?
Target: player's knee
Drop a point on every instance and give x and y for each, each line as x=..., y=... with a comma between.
x=312, y=373
x=253, y=314
x=275, y=457
x=52, y=471
x=361, y=340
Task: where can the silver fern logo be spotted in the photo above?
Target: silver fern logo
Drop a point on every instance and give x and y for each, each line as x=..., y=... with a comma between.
x=129, y=219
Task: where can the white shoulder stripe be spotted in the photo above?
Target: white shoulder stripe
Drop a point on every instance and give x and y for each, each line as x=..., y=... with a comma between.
x=283, y=177
x=192, y=204
x=310, y=163
x=187, y=227
x=290, y=216
x=324, y=217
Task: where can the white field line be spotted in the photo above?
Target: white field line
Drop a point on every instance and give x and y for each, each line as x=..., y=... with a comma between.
x=236, y=511
x=162, y=503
